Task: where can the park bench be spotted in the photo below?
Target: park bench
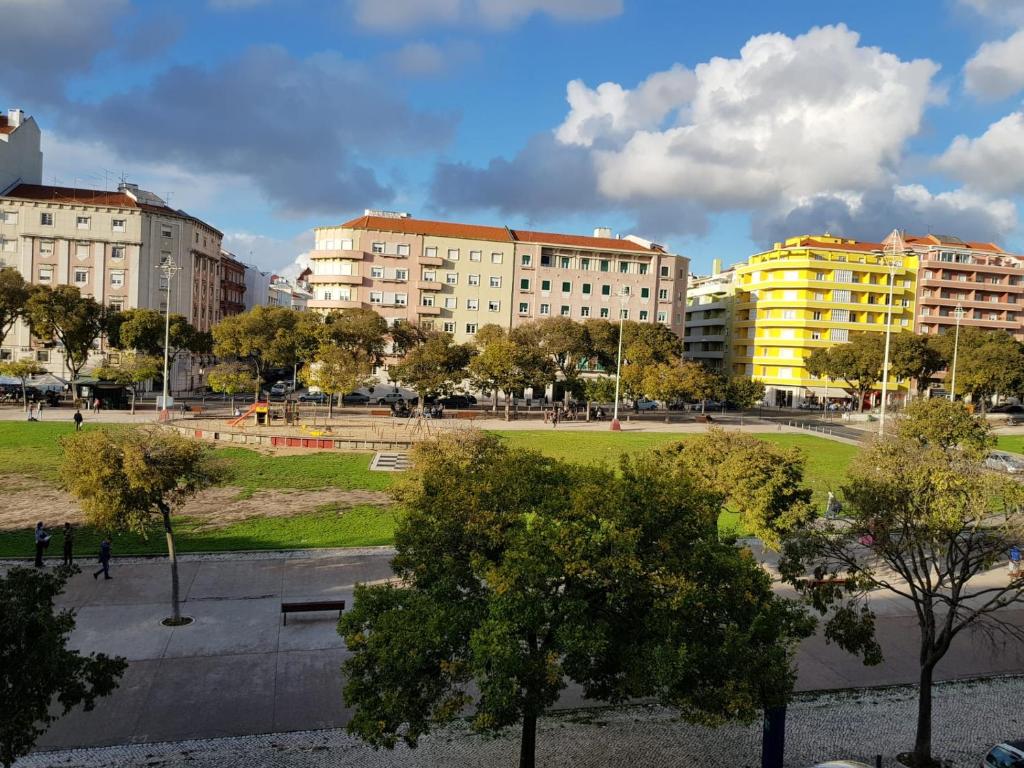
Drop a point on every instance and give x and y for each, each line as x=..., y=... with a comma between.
x=310, y=607
x=467, y=415
x=196, y=409
x=380, y=412
x=703, y=418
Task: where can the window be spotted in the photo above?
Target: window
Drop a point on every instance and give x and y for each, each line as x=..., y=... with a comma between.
x=495, y=281
x=662, y=316
x=46, y=219
x=624, y=314
x=841, y=297
x=605, y=265
x=82, y=222
x=116, y=305
x=545, y=309
x=426, y=325
x=643, y=314
x=427, y=300
x=116, y=279
x=475, y=255
x=604, y=312
x=473, y=304
x=430, y=276
x=584, y=263
x=815, y=335
x=401, y=274
x=377, y=272
x=819, y=276
x=545, y=286
x=403, y=249
x=566, y=286
x=839, y=334
x=451, y=302
x=82, y=250
x=42, y=355
x=496, y=257
x=840, y=315
x=45, y=274
x=565, y=262
x=346, y=244
x=430, y=252
x=789, y=314
x=816, y=315
x=377, y=248
x=117, y=252
x=545, y=259
x=642, y=269
x=473, y=279
x=376, y=297
x=524, y=308
x=524, y=284
x=452, y=278
x=470, y=328
x=586, y=289
x=453, y=254
x=328, y=296
x=8, y=246
x=525, y=259
x=819, y=296
x=493, y=306
x=584, y=311
x=449, y=327
x=402, y=299
x=624, y=266
x=665, y=272
x=663, y=294
x=165, y=230
x=606, y=290
x=118, y=225
x=564, y=311
x=645, y=293
x=81, y=277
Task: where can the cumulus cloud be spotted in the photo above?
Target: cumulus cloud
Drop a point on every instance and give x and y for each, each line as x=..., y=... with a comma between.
x=1002, y=11
x=401, y=15
x=992, y=162
x=996, y=71
x=46, y=41
x=297, y=128
x=286, y=256
x=872, y=215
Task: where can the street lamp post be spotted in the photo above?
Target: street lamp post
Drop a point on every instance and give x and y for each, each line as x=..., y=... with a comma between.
x=894, y=249
x=958, y=312
x=623, y=296
x=167, y=268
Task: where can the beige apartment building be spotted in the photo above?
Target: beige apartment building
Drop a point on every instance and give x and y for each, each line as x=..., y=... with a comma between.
x=458, y=277
x=110, y=245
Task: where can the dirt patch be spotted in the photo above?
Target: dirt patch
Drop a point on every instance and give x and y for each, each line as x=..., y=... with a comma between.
x=24, y=501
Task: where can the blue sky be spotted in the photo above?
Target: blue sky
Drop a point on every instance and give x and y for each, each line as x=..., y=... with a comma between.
x=714, y=128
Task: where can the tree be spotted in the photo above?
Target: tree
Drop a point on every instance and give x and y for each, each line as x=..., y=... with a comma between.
x=131, y=371
x=359, y=330
x=941, y=422
x=143, y=330
x=434, y=367
x=857, y=363
x=64, y=315
x=39, y=670
x=598, y=389
x=507, y=362
x=263, y=336
x=14, y=293
x=988, y=362
x=231, y=379
x=518, y=573
x=565, y=342
x=742, y=392
x=123, y=479
x=337, y=370
x=915, y=356
x=22, y=370
x=922, y=519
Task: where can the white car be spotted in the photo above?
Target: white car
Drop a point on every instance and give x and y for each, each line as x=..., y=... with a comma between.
x=282, y=388
x=643, y=404
x=1009, y=754
x=389, y=398
x=1004, y=462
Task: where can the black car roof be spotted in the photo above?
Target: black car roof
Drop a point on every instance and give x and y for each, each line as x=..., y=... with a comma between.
x=1018, y=744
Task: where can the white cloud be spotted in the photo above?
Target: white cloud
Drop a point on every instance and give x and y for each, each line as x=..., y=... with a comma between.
x=395, y=15
x=992, y=162
x=791, y=117
x=282, y=256
x=1002, y=11
x=423, y=59
x=997, y=69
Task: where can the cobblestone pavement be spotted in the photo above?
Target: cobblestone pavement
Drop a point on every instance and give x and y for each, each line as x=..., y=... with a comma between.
x=968, y=718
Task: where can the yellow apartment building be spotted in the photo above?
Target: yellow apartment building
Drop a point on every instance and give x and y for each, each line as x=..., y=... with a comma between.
x=811, y=292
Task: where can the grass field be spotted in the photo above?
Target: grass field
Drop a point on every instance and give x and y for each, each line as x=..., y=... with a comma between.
x=1012, y=443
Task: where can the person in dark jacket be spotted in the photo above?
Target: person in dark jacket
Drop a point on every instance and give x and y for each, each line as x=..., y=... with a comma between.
x=78, y=421
x=69, y=543
x=104, y=560
x=42, y=542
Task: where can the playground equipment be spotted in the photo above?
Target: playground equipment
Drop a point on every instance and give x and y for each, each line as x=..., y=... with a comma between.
x=260, y=413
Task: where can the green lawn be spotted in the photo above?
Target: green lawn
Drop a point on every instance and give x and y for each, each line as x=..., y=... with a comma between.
x=1012, y=443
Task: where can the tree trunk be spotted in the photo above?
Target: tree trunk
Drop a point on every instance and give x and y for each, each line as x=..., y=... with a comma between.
x=507, y=407
x=232, y=406
x=133, y=401
x=923, y=740
x=588, y=409
x=494, y=403
x=773, y=737
x=330, y=406
x=173, y=557
x=528, y=744
x=24, y=394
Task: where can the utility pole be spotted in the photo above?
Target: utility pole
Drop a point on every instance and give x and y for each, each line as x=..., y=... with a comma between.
x=167, y=269
x=894, y=249
x=623, y=297
x=958, y=312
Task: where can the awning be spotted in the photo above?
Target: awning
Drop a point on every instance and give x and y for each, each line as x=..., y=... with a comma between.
x=835, y=391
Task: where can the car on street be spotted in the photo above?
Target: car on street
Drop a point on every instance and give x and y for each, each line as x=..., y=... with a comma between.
x=314, y=397
x=389, y=397
x=1009, y=754
x=643, y=404
x=1007, y=408
x=281, y=388
x=457, y=401
x=1001, y=461
x=355, y=398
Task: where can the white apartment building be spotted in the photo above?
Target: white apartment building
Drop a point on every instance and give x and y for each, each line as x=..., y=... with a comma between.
x=21, y=159
x=709, y=307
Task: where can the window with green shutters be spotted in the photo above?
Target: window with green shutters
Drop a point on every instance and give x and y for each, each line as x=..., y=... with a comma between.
x=545, y=285
x=586, y=288
x=566, y=287
x=606, y=290
x=524, y=284
x=645, y=293
x=605, y=265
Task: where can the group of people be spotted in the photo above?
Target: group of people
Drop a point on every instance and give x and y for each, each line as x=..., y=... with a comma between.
x=42, y=537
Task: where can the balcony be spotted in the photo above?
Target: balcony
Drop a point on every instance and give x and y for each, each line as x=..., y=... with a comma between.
x=335, y=304
x=335, y=279
x=431, y=261
x=950, y=320
x=433, y=311
x=390, y=255
x=393, y=279
x=339, y=254
x=429, y=285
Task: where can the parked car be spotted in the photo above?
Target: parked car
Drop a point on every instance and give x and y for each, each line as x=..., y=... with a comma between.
x=1009, y=754
x=389, y=397
x=1007, y=408
x=457, y=401
x=355, y=398
x=314, y=397
x=282, y=388
x=1004, y=462
x=643, y=404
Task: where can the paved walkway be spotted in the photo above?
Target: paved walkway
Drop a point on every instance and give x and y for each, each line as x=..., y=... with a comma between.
x=237, y=671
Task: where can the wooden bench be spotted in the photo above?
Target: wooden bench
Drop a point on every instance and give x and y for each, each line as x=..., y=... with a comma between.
x=315, y=605
x=196, y=409
x=467, y=415
x=380, y=412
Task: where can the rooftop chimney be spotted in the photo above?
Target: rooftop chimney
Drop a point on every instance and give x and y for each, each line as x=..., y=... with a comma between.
x=716, y=266
x=603, y=232
x=15, y=117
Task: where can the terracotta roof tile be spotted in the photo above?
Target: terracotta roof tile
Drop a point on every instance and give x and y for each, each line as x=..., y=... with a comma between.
x=425, y=227
x=581, y=241
x=71, y=195
x=949, y=240
x=4, y=127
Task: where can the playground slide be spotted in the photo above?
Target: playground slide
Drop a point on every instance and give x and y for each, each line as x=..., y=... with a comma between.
x=254, y=408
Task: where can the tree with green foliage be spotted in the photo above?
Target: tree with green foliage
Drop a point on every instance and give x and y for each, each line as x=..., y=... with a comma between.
x=131, y=371
x=915, y=356
x=742, y=392
x=63, y=315
x=362, y=331
x=143, y=330
x=264, y=337
x=14, y=293
x=22, y=370
x=565, y=342
x=946, y=424
x=124, y=479
x=42, y=679
x=858, y=363
x=435, y=367
x=922, y=518
x=988, y=362
x=598, y=389
x=507, y=362
x=518, y=573
x=336, y=370
x=405, y=337
x=232, y=379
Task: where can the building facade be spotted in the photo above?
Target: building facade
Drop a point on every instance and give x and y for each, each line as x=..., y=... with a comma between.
x=21, y=159
x=813, y=292
x=458, y=277
x=232, y=285
x=709, y=318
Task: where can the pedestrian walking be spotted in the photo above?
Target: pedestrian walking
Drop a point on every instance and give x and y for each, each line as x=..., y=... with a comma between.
x=554, y=418
x=69, y=544
x=1014, y=562
x=31, y=412
x=96, y=405
x=42, y=542
x=78, y=420
x=104, y=560
x=39, y=411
